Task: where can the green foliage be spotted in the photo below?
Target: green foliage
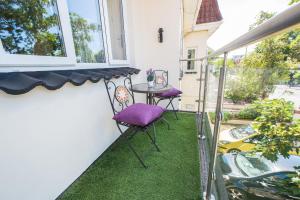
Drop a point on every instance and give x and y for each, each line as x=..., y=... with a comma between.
x=271, y=68
x=226, y=116
x=261, y=18
x=82, y=35
x=293, y=1
x=219, y=62
x=30, y=27
x=269, y=62
x=241, y=85
x=278, y=129
x=297, y=77
x=274, y=56
x=250, y=112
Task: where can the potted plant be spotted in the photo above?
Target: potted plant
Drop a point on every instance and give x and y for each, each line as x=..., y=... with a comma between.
x=150, y=78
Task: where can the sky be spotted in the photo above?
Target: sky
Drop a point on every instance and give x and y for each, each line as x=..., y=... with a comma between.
x=237, y=16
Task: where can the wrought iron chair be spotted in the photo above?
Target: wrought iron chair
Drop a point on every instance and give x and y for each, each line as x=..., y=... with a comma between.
x=136, y=116
x=161, y=78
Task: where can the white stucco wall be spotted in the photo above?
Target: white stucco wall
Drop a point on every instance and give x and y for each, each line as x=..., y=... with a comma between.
x=147, y=17
x=48, y=138
x=189, y=83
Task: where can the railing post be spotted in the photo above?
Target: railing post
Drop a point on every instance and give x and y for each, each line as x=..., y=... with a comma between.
x=204, y=99
x=200, y=86
x=217, y=125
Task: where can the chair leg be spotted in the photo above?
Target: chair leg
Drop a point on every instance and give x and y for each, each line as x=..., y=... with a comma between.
x=136, y=154
x=135, y=131
x=175, y=112
x=152, y=140
x=154, y=132
x=168, y=124
x=156, y=102
x=169, y=103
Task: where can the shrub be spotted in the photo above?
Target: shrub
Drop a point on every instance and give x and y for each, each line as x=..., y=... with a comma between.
x=250, y=112
x=242, y=86
x=226, y=116
x=278, y=130
x=297, y=77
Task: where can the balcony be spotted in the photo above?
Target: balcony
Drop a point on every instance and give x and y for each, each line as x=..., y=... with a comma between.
x=173, y=173
x=49, y=138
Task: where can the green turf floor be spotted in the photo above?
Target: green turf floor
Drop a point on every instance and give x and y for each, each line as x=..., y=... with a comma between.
x=172, y=174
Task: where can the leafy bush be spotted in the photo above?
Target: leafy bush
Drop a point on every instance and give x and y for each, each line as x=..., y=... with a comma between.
x=249, y=113
x=226, y=116
x=277, y=127
x=242, y=86
x=297, y=77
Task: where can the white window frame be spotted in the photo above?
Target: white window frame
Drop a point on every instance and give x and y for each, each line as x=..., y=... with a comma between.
x=187, y=53
x=7, y=59
x=104, y=36
x=113, y=61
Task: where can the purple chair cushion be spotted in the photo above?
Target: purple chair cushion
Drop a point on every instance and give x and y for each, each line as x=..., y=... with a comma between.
x=139, y=114
x=173, y=92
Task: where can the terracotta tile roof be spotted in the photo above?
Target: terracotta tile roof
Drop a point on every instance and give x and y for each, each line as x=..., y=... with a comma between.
x=209, y=12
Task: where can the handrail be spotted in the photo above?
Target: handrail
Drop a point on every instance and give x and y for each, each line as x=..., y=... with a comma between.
x=282, y=22
x=286, y=20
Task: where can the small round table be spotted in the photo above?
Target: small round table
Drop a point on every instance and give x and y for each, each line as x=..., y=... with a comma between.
x=143, y=88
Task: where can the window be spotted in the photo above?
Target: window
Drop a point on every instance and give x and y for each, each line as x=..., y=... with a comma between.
x=117, y=31
x=87, y=31
x=33, y=29
x=24, y=33
x=191, y=55
x=62, y=32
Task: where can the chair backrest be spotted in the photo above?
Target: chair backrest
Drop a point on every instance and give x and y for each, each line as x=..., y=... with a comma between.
x=120, y=96
x=161, y=77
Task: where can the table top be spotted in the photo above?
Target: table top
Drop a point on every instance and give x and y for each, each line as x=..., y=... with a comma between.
x=143, y=88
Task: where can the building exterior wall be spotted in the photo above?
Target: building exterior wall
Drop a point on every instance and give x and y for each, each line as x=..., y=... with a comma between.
x=148, y=17
x=189, y=82
x=48, y=138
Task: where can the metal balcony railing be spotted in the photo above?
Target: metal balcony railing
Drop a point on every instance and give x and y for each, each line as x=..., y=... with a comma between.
x=282, y=22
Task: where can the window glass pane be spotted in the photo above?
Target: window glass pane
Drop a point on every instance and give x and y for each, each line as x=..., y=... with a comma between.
x=87, y=31
x=191, y=55
x=31, y=27
x=117, y=33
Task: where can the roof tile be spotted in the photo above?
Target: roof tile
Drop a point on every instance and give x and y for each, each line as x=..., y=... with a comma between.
x=209, y=12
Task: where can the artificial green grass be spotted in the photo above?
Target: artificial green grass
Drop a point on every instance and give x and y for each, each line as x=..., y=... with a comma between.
x=172, y=173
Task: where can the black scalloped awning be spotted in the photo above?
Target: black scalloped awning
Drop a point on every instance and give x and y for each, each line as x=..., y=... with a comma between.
x=22, y=82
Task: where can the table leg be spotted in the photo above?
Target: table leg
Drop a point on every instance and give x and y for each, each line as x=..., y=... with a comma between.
x=147, y=98
x=150, y=99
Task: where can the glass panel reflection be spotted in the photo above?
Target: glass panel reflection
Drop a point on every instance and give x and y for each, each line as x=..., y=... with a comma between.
x=31, y=27
x=117, y=33
x=87, y=31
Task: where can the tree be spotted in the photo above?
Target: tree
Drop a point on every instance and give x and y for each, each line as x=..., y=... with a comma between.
x=241, y=85
x=82, y=30
x=219, y=63
x=82, y=35
x=274, y=56
x=270, y=60
x=278, y=131
x=261, y=18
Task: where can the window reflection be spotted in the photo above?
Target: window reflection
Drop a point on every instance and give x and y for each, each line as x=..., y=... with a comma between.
x=87, y=31
x=31, y=27
x=117, y=33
